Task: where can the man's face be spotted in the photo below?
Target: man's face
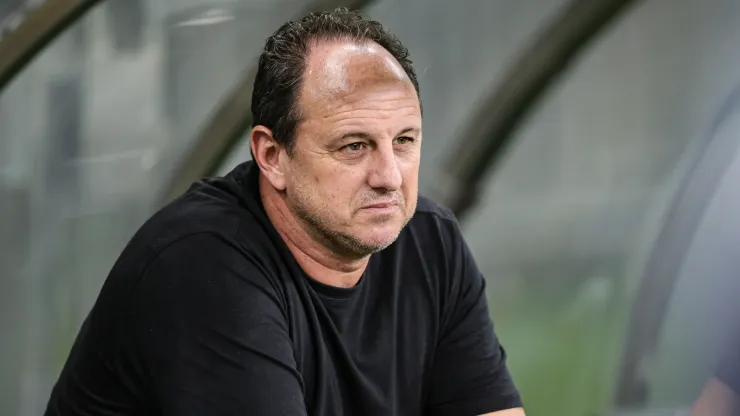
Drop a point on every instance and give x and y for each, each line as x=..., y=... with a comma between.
x=353, y=176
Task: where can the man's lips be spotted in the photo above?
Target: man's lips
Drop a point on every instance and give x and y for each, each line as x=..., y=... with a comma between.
x=382, y=205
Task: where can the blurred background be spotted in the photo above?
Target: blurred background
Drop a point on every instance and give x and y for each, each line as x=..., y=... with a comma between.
x=589, y=148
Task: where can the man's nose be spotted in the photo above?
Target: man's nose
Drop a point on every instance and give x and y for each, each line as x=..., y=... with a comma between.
x=385, y=172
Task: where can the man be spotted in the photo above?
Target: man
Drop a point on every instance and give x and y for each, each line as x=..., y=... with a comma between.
x=307, y=282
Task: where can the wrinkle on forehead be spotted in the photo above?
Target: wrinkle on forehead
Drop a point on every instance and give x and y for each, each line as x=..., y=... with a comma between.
x=337, y=68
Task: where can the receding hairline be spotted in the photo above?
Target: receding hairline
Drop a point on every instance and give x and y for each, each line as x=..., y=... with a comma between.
x=328, y=41
x=332, y=41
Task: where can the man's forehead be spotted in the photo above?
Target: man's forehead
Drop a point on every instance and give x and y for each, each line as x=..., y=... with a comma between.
x=339, y=66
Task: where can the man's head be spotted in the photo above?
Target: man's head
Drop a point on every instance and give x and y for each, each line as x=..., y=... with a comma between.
x=337, y=129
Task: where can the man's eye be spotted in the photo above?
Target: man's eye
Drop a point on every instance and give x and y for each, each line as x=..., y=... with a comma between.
x=403, y=140
x=354, y=147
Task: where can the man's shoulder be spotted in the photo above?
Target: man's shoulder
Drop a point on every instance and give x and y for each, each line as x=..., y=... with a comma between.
x=426, y=207
x=217, y=205
x=435, y=217
x=433, y=232
x=206, y=206
x=196, y=242
x=209, y=212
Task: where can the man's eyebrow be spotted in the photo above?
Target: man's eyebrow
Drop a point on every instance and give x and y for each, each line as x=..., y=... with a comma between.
x=407, y=130
x=355, y=135
x=366, y=136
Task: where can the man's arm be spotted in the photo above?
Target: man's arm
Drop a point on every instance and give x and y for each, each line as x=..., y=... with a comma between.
x=510, y=412
x=469, y=373
x=210, y=335
x=717, y=399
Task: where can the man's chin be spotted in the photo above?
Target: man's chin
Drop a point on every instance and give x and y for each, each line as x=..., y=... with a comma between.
x=381, y=238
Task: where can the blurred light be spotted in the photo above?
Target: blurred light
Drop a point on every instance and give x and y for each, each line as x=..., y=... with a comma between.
x=210, y=17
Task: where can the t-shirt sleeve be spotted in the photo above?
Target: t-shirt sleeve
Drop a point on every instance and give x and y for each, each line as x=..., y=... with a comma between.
x=211, y=335
x=469, y=373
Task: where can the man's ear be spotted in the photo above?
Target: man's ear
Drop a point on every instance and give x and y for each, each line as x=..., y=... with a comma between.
x=267, y=154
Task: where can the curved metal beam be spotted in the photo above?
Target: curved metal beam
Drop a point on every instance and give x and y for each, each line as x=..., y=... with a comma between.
x=26, y=32
x=230, y=120
x=687, y=210
x=526, y=81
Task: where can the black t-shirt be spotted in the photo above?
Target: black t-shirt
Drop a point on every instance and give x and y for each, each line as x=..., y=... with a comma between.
x=206, y=312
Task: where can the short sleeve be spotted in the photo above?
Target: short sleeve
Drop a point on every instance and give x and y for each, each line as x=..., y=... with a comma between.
x=469, y=373
x=211, y=335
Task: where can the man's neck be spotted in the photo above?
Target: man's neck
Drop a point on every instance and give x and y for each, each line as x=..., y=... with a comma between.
x=314, y=258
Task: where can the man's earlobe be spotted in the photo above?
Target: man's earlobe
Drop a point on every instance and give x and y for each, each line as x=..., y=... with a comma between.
x=267, y=153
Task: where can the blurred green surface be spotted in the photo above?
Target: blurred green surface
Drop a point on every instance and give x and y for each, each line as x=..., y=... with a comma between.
x=564, y=355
